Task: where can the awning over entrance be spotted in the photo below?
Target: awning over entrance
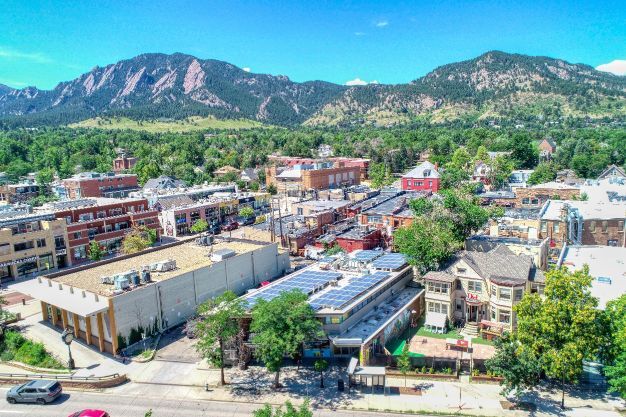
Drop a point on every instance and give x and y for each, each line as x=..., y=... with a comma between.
x=74, y=300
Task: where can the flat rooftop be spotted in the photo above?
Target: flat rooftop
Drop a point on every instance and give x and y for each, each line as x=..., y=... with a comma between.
x=587, y=209
x=377, y=318
x=188, y=256
x=323, y=205
x=397, y=205
x=606, y=190
x=337, y=286
x=607, y=266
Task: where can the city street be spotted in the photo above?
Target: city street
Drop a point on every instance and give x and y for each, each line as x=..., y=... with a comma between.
x=136, y=406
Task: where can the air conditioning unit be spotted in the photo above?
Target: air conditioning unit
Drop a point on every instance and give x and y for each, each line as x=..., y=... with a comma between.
x=106, y=280
x=163, y=266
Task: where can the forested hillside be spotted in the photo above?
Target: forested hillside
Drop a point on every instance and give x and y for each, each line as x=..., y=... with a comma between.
x=495, y=87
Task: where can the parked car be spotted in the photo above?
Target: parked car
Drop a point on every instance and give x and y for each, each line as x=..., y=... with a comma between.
x=90, y=413
x=246, y=221
x=39, y=392
x=232, y=225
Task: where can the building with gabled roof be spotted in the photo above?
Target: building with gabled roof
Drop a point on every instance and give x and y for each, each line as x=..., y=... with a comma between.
x=612, y=171
x=424, y=177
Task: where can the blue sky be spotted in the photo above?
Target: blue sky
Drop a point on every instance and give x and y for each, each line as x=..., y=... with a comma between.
x=45, y=42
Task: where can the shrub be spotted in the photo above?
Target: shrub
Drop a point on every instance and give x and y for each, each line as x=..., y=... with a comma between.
x=14, y=340
x=431, y=370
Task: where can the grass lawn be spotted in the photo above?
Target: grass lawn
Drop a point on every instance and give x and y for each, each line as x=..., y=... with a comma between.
x=190, y=124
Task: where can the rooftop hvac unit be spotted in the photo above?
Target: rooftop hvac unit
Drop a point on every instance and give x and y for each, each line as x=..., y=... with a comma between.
x=220, y=255
x=106, y=280
x=163, y=266
x=145, y=276
x=121, y=282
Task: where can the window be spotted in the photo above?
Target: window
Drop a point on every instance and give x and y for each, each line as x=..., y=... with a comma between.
x=80, y=252
x=505, y=294
x=611, y=242
x=544, y=227
x=494, y=291
x=437, y=307
x=460, y=270
x=620, y=225
x=438, y=287
x=41, y=243
x=534, y=201
x=77, y=235
x=518, y=294
x=555, y=228
x=592, y=226
x=459, y=285
x=85, y=217
x=605, y=226
x=459, y=305
x=23, y=246
x=101, y=214
x=493, y=314
x=475, y=286
x=505, y=316
x=526, y=200
x=59, y=242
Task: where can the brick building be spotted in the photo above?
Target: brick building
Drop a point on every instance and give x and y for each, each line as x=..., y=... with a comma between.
x=424, y=177
x=31, y=244
x=95, y=184
x=583, y=223
x=104, y=220
x=537, y=195
x=299, y=179
x=546, y=148
x=124, y=163
x=18, y=193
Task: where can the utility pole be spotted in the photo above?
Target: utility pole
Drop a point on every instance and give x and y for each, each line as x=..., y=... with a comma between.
x=271, y=214
x=280, y=225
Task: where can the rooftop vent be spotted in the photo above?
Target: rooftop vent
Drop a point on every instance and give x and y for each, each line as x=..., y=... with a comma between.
x=221, y=254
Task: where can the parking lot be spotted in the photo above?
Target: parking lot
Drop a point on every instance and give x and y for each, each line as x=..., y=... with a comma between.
x=175, y=346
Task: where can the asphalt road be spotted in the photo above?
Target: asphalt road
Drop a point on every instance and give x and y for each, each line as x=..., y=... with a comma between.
x=134, y=406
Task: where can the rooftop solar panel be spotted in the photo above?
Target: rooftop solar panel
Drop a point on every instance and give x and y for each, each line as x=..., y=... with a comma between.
x=338, y=297
x=367, y=255
x=391, y=261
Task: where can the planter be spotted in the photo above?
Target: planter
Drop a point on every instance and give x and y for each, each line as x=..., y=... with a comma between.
x=409, y=391
x=397, y=374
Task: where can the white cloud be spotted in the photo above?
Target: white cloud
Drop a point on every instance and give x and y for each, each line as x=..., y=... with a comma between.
x=358, y=81
x=246, y=69
x=617, y=67
x=382, y=23
x=12, y=54
x=359, y=33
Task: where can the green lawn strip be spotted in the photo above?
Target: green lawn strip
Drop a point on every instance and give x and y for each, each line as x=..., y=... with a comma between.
x=16, y=347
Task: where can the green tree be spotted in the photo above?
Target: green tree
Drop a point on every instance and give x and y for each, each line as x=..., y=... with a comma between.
x=272, y=189
x=289, y=411
x=380, y=175
x=217, y=326
x=615, y=345
x=138, y=239
x=95, y=251
x=563, y=327
x=453, y=178
x=404, y=361
x=544, y=172
x=481, y=154
x=426, y=243
x=281, y=326
x=501, y=168
x=460, y=159
x=524, y=151
x=334, y=249
x=321, y=365
x=199, y=226
x=517, y=365
x=3, y=313
x=246, y=212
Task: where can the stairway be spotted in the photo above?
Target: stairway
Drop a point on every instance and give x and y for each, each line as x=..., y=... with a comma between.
x=470, y=330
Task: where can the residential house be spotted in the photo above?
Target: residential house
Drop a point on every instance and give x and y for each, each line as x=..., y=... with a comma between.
x=424, y=177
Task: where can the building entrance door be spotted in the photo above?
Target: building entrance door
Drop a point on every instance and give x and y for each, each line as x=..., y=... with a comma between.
x=472, y=313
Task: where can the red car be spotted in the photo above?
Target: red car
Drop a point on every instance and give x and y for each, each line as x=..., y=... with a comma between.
x=230, y=226
x=90, y=413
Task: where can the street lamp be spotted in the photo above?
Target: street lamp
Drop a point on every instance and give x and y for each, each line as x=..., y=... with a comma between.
x=68, y=336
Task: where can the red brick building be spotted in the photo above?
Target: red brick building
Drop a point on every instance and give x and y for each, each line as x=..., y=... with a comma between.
x=359, y=238
x=123, y=163
x=424, y=177
x=95, y=184
x=104, y=220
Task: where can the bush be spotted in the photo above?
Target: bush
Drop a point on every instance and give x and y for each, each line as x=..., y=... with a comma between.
x=14, y=340
x=17, y=348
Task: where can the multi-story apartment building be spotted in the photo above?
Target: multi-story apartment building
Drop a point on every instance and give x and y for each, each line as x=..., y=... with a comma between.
x=18, y=193
x=95, y=184
x=583, y=223
x=104, y=220
x=30, y=244
x=300, y=179
x=481, y=288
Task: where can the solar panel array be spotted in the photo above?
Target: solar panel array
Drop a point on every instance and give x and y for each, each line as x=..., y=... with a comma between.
x=307, y=282
x=339, y=297
x=391, y=261
x=367, y=255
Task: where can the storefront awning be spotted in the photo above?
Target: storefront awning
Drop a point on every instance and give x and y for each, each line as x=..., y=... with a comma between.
x=71, y=299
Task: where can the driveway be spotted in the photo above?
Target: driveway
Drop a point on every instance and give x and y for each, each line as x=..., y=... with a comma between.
x=177, y=347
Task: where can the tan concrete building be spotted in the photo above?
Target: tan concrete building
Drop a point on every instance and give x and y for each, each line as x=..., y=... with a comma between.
x=32, y=244
x=112, y=303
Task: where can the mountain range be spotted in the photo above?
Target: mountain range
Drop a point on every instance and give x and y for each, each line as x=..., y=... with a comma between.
x=492, y=86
